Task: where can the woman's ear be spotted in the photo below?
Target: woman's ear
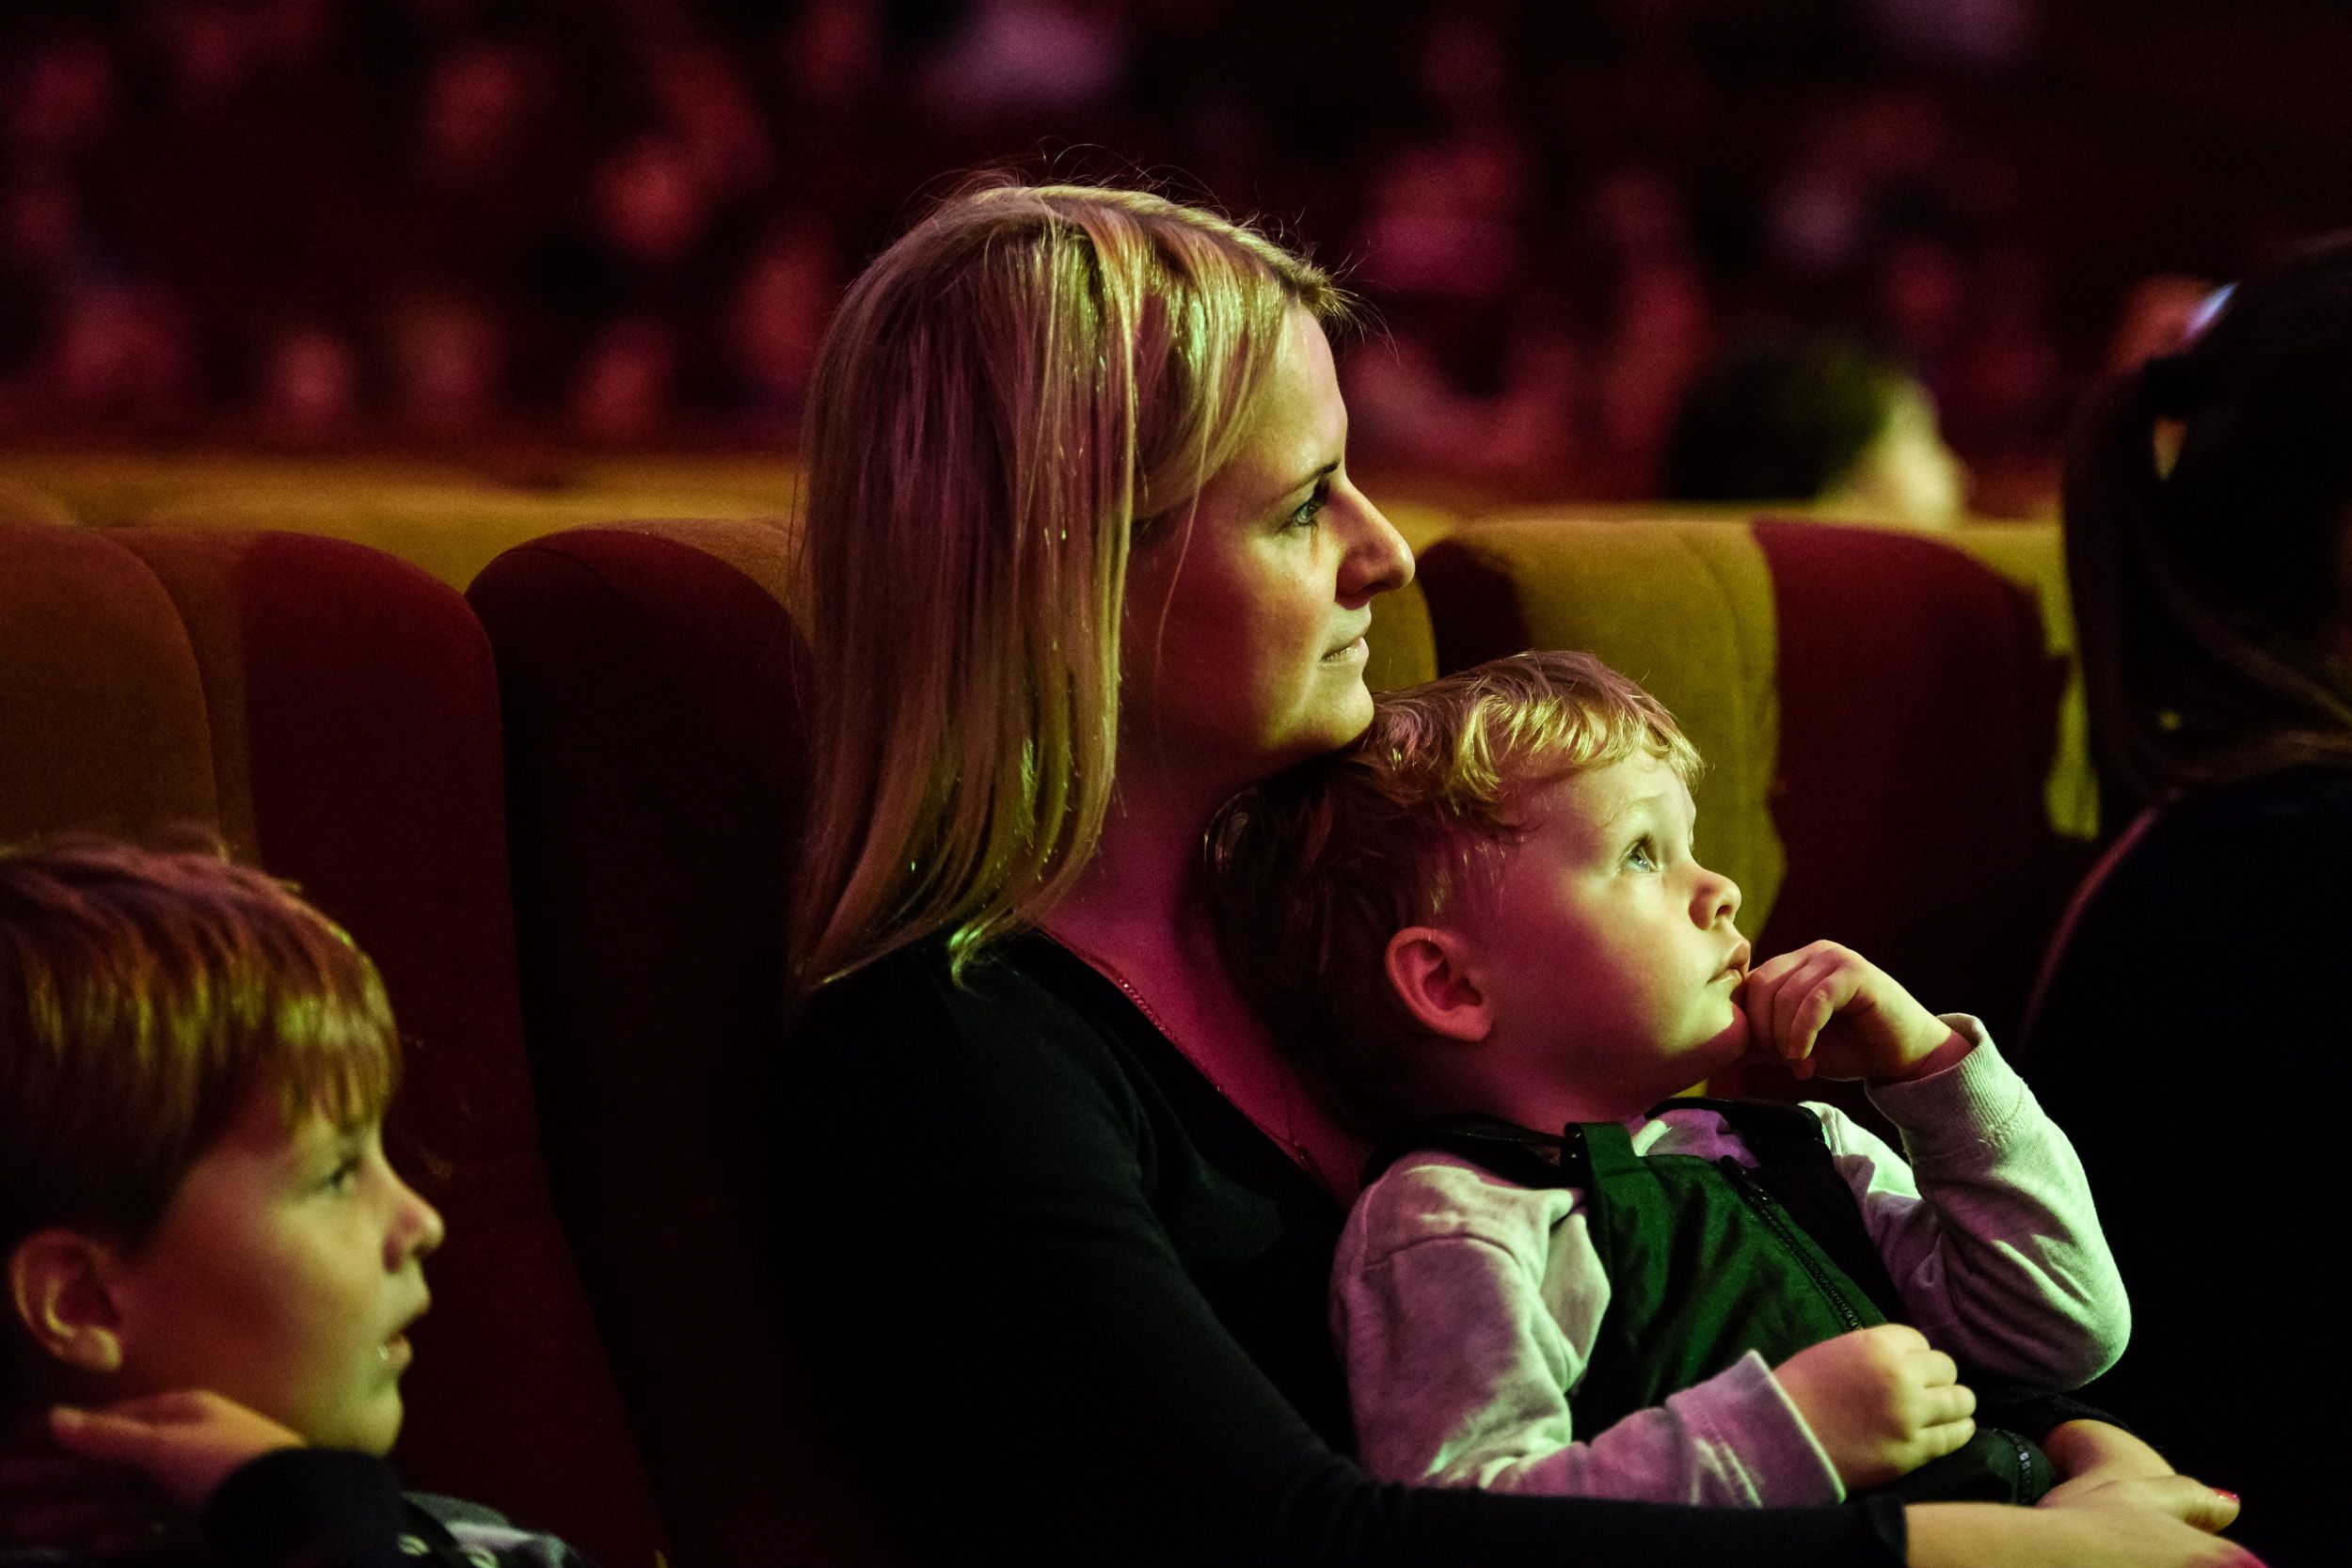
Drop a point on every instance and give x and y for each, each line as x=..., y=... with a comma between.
x=1429, y=968
x=57, y=1287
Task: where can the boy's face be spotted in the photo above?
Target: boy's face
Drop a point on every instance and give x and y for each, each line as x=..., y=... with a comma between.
x=1607, y=954
x=283, y=1275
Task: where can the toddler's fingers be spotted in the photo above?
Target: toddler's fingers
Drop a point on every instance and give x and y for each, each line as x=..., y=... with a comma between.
x=1939, y=1371
x=1945, y=1437
x=1936, y=1407
x=1813, y=1014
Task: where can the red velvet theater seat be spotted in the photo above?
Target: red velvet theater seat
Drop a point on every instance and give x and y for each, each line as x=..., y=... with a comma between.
x=653, y=763
x=333, y=712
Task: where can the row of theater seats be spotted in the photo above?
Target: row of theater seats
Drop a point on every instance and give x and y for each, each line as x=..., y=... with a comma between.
x=559, y=808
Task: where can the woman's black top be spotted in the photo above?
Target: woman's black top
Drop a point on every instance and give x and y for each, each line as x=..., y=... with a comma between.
x=1064, y=1301
x=2195, y=1040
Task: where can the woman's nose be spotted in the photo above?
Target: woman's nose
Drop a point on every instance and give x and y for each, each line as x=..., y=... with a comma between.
x=1378, y=559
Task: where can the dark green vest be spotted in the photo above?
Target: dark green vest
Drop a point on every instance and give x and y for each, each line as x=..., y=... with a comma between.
x=1708, y=1260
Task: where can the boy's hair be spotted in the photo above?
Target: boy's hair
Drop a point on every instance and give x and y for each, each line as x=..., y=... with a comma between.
x=145, y=997
x=1313, y=870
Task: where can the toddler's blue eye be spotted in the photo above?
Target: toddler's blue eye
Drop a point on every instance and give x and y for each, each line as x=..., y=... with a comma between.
x=1643, y=856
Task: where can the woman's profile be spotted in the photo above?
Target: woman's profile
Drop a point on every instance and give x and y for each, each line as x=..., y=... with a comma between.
x=1083, y=556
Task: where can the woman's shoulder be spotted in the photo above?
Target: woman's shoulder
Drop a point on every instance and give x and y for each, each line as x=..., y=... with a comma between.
x=2218, y=918
x=1010, y=1028
x=1012, y=989
x=2219, y=838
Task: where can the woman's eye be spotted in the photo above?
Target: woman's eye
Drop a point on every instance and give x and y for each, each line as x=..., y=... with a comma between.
x=1312, y=508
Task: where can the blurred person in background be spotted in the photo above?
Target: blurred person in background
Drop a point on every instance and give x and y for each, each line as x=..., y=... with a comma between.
x=774, y=323
x=2196, y=985
x=1821, y=420
x=447, y=359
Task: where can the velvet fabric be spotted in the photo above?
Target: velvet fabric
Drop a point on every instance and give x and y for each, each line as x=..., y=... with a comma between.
x=1918, y=713
x=332, y=713
x=655, y=763
x=451, y=531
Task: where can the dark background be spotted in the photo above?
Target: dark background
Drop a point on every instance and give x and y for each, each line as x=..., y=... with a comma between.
x=449, y=223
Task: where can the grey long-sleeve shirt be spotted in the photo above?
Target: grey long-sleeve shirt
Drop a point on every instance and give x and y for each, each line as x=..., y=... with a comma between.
x=1466, y=1308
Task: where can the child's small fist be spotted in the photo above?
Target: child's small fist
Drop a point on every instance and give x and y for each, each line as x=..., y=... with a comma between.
x=1881, y=1401
x=1827, y=1009
x=186, y=1442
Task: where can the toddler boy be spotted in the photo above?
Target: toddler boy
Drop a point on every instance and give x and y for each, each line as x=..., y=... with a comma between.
x=210, y=1267
x=1560, y=1278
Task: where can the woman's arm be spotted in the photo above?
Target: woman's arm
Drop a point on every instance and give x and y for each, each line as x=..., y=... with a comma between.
x=2130, y=1525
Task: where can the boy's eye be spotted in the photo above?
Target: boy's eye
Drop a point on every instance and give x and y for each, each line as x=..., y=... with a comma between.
x=1312, y=508
x=346, y=1173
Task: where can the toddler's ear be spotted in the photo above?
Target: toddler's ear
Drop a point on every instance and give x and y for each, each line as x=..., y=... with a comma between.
x=57, y=1287
x=1428, y=967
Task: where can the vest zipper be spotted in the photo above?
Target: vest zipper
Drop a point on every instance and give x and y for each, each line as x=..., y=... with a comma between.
x=1765, y=1204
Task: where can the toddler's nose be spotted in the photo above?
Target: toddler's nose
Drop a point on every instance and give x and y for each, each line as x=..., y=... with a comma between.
x=1718, y=898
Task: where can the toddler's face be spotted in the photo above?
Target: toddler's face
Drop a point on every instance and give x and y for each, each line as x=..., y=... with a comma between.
x=1608, y=949
x=283, y=1275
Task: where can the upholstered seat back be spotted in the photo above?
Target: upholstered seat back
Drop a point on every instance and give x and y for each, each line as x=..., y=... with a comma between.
x=332, y=713
x=655, y=760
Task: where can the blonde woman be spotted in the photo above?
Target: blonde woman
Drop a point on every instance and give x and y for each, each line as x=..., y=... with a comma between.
x=1083, y=556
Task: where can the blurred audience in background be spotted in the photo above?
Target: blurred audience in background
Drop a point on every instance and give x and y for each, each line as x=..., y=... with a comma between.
x=410, y=222
x=1821, y=418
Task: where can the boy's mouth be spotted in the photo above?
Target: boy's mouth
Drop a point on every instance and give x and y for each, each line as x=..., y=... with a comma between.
x=396, y=1351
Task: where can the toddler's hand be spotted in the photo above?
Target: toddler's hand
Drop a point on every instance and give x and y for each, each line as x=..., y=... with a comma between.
x=1827, y=1009
x=1881, y=1401
x=185, y=1442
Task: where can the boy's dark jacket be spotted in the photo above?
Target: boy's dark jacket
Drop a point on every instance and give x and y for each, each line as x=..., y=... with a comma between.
x=325, y=1507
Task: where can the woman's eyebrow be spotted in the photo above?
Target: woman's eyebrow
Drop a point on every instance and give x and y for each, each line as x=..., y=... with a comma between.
x=1315, y=478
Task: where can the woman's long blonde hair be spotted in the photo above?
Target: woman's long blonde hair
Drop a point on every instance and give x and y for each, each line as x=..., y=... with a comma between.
x=1004, y=398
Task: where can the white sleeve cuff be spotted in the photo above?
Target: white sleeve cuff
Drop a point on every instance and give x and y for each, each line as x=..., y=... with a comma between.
x=1971, y=1104
x=1748, y=1432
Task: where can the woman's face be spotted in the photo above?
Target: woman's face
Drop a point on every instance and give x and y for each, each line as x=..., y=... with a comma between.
x=1242, y=646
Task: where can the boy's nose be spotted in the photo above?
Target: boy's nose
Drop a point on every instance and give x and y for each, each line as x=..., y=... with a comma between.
x=419, y=1231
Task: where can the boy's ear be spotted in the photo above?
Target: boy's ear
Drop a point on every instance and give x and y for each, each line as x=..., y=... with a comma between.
x=1429, y=969
x=57, y=1287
